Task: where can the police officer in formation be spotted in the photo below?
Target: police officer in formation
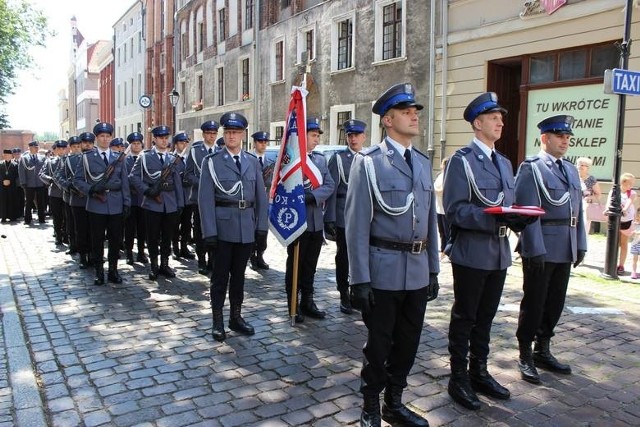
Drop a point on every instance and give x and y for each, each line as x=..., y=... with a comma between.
x=340, y=168
x=56, y=204
x=182, y=233
x=233, y=213
x=549, y=246
x=35, y=191
x=59, y=178
x=155, y=175
x=477, y=177
x=393, y=254
x=310, y=242
x=102, y=176
x=198, y=152
x=135, y=227
x=260, y=141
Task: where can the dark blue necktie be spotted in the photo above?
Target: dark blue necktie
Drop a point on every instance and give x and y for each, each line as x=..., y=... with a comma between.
x=407, y=157
x=161, y=158
x=494, y=159
x=561, y=167
x=237, y=159
x=104, y=158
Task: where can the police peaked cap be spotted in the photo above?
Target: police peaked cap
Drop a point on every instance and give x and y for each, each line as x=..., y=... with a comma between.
x=261, y=136
x=116, y=142
x=161, y=130
x=483, y=104
x=7, y=151
x=180, y=137
x=233, y=121
x=220, y=141
x=103, y=127
x=209, y=125
x=557, y=124
x=135, y=136
x=16, y=150
x=313, y=123
x=33, y=144
x=87, y=137
x=401, y=95
x=74, y=140
x=354, y=126
x=61, y=143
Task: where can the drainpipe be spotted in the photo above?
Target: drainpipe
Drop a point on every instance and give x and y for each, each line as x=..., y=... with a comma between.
x=432, y=80
x=445, y=72
x=256, y=69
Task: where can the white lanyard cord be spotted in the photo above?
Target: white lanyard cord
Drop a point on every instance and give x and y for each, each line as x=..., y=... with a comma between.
x=154, y=175
x=371, y=178
x=474, y=187
x=540, y=183
x=237, y=187
x=341, y=173
x=94, y=178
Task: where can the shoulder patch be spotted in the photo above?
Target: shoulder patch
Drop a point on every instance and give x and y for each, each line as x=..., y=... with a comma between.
x=370, y=150
x=251, y=154
x=531, y=159
x=464, y=151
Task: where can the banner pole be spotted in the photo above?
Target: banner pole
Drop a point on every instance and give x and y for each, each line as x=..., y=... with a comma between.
x=294, y=283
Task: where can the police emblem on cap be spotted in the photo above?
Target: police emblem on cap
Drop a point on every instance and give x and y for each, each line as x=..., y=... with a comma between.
x=87, y=137
x=313, y=123
x=483, y=104
x=261, y=136
x=233, y=121
x=161, y=130
x=209, y=125
x=74, y=140
x=116, y=142
x=559, y=124
x=401, y=95
x=135, y=136
x=103, y=127
x=354, y=126
x=180, y=137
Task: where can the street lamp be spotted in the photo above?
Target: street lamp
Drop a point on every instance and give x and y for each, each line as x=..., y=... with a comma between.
x=174, y=97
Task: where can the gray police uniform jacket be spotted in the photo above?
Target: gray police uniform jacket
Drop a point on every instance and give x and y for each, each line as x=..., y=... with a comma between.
x=232, y=223
x=335, y=205
x=558, y=242
x=65, y=176
x=90, y=170
x=315, y=221
x=268, y=166
x=146, y=171
x=136, y=198
x=477, y=241
x=194, y=167
x=58, y=178
x=388, y=269
x=47, y=176
x=29, y=170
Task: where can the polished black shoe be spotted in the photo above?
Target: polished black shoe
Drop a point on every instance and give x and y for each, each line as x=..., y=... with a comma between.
x=130, y=257
x=166, y=271
x=153, y=271
x=260, y=263
x=460, y=390
x=114, y=277
x=238, y=324
x=543, y=358
x=486, y=384
x=186, y=253
x=142, y=258
x=71, y=251
x=527, y=369
x=345, y=303
x=309, y=309
x=217, y=330
x=202, y=268
x=370, y=419
x=395, y=413
x=99, y=280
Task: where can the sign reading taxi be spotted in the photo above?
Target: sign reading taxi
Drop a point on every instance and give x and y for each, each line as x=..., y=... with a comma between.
x=622, y=82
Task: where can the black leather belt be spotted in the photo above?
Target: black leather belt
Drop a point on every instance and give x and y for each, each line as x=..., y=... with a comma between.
x=501, y=231
x=414, y=247
x=240, y=204
x=567, y=221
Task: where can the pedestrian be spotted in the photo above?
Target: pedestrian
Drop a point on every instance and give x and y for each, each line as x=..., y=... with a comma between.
x=548, y=247
x=135, y=227
x=233, y=214
x=590, y=193
x=9, y=196
x=391, y=230
x=182, y=233
x=635, y=245
x=34, y=189
x=199, y=150
x=260, y=140
x=334, y=223
x=443, y=227
x=477, y=177
x=102, y=176
x=627, y=205
x=155, y=175
x=310, y=242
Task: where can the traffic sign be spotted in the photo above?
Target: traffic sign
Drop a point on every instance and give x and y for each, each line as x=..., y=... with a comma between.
x=622, y=82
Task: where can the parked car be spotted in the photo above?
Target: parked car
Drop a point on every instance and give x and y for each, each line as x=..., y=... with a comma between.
x=327, y=150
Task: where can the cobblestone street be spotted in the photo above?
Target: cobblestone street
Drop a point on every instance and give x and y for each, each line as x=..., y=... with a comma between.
x=141, y=353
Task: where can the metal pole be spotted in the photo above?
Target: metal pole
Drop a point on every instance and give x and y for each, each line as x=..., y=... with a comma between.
x=615, y=208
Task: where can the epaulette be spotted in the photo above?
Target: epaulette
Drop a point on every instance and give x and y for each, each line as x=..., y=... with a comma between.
x=318, y=153
x=464, y=151
x=369, y=150
x=146, y=150
x=421, y=153
x=531, y=159
x=251, y=154
x=196, y=143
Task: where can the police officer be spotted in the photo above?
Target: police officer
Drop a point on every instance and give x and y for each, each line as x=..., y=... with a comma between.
x=59, y=177
x=134, y=227
x=182, y=233
x=117, y=145
x=155, y=175
x=549, y=246
x=311, y=240
x=198, y=151
x=56, y=203
x=9, y=196
x=393, y=254
x=34, y=189
x=477, y=177
x=102, y=176
x=260, y=140
x=233, y=211
x=339, y=168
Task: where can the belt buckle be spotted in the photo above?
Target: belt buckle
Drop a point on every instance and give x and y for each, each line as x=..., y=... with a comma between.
x=242, y=204
x=574, y=221
x=502, y=231
x=416, y=247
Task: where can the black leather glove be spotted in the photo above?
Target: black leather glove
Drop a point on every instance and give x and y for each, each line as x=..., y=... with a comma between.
x=433, y=287
x=362, y=297
x=186, y=182
x=516, y=222
x=261, y=240
x=126, y=211
x=330, y=230
x=152, y=191
x=534, y=264
x=97, y=188
x=308, y=198
x=580, y=258
x=210, y=242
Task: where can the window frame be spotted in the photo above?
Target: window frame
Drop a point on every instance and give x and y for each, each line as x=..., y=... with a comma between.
x=379, y=54
x=335, y=41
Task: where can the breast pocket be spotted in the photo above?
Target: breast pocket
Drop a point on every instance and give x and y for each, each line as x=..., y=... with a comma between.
x=489, y=188
x=394, y=191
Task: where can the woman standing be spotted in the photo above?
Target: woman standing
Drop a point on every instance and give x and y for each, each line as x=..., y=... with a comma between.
x=590, y=189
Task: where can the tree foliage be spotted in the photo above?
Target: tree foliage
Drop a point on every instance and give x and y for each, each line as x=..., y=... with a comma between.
x=21, y=27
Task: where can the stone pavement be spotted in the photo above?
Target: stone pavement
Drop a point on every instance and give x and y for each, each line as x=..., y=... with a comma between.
x=141, y=353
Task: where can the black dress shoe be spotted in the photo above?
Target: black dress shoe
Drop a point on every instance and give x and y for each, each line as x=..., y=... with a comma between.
x=114, y=277
x=261, y=264
x=99, y=280
x=142, y=258
x=461, y=392
x=186, y=254
x=370, y=419
x=345, y=303
x=238, y=324
x=402, y=416
x=528, y=372
x=166, y=271
x=486, y=384
x=311, y=310
x=543, y=358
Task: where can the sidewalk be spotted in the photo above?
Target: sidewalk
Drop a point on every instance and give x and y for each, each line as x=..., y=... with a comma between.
x=141, y=353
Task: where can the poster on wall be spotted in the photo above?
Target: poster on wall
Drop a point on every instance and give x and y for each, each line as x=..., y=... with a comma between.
x=594, y=128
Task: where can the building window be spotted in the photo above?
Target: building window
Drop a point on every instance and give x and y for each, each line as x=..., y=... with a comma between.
x=124, y=94
x=392, y=31
x=201, y=36
x=342, y=116
x=278, y=61
x=118, y=57
x=309, y=42
x=132, y=98
x=220, y=86
x=200, y=89
x=183, y=95
x=246, y=93
x=574, y=64
x=222, y=25
x=279, y=131
x=131, y=50
x=285, y=3
x=345, y=44
x=139, y=85
x=162, y=17
x=248, y=14
x=140, y=42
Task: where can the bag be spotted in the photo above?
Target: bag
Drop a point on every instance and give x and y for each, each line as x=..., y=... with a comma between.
x=595, y=212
